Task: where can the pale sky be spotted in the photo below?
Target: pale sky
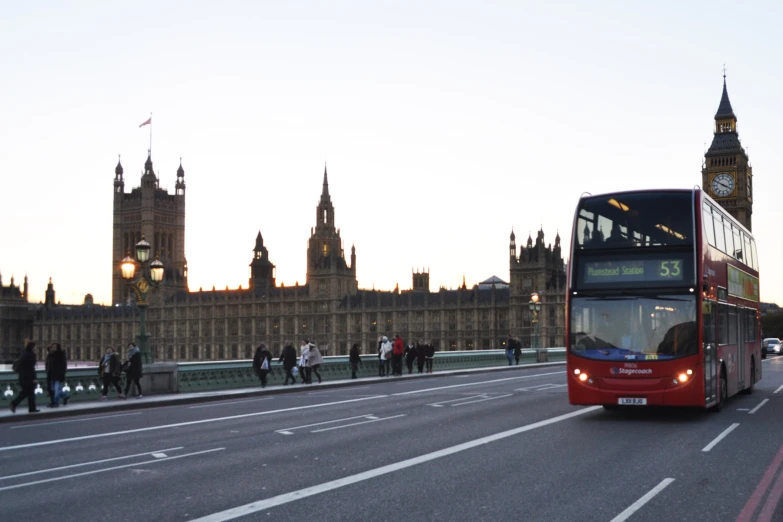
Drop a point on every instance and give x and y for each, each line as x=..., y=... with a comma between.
x=444, y=125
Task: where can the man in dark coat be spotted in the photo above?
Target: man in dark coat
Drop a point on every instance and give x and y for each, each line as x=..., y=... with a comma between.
x=261, y=363
x=47, y=369
x=354, y=359
x=25, y=366
x=58, y=365
x=288, y=358
x=134, y=369
x=421, y=353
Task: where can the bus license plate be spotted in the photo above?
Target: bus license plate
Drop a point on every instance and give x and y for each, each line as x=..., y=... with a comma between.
x=632, y=401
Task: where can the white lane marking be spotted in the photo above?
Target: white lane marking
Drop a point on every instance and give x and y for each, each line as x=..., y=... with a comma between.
x=189, y=423
x=542, y=387
x=478, y=383
x=287, y=431
x=356, y=424
x=636, y=506
x=159, y=455
x=222, y=403
x=137, y=464
x=268, y=503
x=440, y=404
x=482, y=400
x=754, y=410
x=35, y=424
x=371, y=417
x=720, y=437
x=87, y=463
x=780, y=388
x=743, y=409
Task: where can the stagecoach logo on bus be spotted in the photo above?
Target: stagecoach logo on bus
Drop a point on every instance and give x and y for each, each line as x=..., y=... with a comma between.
x=630, y=369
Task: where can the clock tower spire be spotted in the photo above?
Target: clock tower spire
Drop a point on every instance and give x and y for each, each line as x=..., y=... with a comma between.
x=726, y=172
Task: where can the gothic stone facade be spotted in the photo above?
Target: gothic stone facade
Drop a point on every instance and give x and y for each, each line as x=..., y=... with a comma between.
x=16, y=319
x=726, y=172
x=328, y=309
x=150, y=212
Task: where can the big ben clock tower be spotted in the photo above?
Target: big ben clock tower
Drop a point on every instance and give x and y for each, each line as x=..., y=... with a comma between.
x=726, y=174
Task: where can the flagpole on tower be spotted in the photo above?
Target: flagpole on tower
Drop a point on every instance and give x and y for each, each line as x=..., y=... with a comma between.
x=150, y=134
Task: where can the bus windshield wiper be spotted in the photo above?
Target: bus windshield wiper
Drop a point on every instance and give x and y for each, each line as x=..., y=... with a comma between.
x=650, y=296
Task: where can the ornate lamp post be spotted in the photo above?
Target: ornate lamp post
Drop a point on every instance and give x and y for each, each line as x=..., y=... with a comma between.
x=149, y=277
x=535, y=307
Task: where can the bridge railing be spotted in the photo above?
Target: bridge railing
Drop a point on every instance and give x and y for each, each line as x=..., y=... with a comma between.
x=84, y=383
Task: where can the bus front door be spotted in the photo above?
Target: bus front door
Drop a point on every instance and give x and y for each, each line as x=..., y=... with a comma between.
x=709, y=348
x=741, y=363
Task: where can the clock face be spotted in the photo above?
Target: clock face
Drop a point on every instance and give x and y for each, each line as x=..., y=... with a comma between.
x=723, y=185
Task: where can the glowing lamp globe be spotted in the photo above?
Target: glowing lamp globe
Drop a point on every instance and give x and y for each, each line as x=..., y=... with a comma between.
x=128, y=268
x=142, y=250
x=156, y=271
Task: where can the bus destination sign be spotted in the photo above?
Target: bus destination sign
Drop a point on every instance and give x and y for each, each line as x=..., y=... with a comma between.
x=633, y=271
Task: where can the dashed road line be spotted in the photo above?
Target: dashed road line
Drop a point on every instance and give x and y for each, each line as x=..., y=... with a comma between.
x=357, y=423
x=188, y=423
x=289, y=431
x=720, y=437
x=754, y=410
x=137, y=464
x=636, y=506
x=88, y=463
x=478, y=383
x=268, y=503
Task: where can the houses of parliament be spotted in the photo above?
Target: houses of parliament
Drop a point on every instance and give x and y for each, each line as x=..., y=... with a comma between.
x=329, y=308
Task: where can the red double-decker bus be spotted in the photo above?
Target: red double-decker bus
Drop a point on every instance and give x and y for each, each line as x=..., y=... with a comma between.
x=663, y=302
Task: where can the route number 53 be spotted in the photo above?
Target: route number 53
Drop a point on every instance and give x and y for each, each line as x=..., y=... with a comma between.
x=670, y=269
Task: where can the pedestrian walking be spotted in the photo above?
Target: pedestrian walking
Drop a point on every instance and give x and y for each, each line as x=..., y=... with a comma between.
x=261, y=363
x=430, y=355
x=133, y=369
x=510, y=349
x=58, y=366
x=421, y=354
x=354, y=358
x=110, y=370
x=398, y=351
x=288, y=358
x=25, y=367
x=47, y=369
x=385, y=355
x=410, y=356
x=517, y=350
x=314, y=361
x=304, y=351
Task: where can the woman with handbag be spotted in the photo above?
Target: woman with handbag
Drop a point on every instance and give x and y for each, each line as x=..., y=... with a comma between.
x=314, y=361
x=261, y=362
x=110, y=371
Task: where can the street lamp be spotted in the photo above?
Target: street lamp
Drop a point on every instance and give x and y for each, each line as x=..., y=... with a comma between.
x=147, y=281
x=535, y=306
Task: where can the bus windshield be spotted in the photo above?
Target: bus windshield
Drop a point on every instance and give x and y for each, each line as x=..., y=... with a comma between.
x=644, y=219
x=634, y=328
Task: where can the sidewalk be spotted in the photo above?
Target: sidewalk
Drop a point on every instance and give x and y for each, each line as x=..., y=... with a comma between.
x=115, y=404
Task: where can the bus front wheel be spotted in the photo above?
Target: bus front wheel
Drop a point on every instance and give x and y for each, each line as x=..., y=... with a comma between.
x=724, y=391
x=749, y=389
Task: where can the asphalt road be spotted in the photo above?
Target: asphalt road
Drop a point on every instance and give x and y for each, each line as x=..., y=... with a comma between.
x=487, y=446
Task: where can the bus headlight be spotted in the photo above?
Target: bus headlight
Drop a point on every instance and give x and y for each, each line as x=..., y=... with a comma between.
x=583, y=377
x=683, y=377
